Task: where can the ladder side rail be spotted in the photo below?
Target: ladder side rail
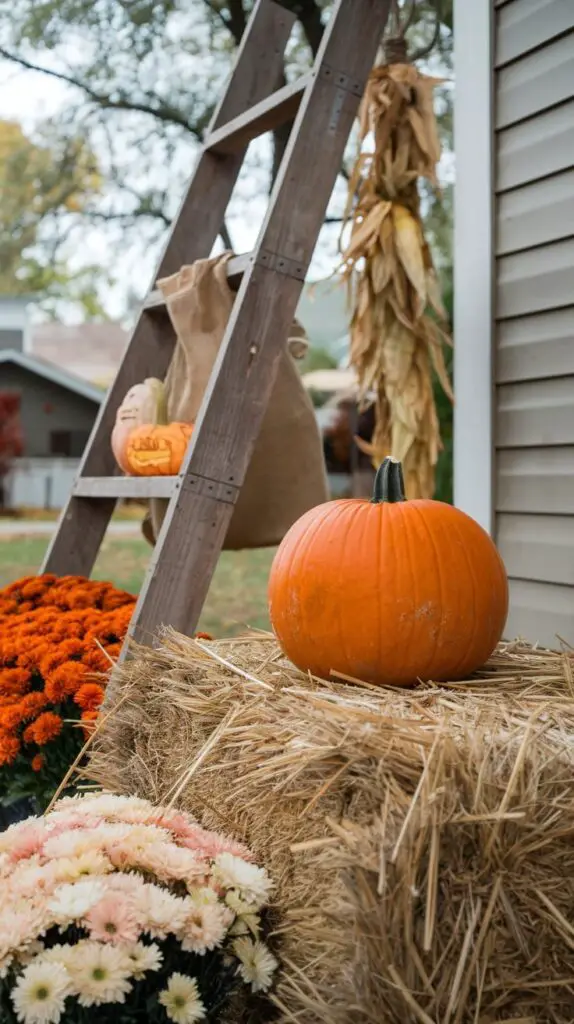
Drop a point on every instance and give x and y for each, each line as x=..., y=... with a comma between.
x=83, y=523
x=230, y=417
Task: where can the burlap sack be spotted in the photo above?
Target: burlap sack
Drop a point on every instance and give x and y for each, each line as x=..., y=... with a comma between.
x=286, y=476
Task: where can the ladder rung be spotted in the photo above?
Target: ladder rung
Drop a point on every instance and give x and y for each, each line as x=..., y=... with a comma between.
x=270, y=113
x=124, y=486
x=236, y=268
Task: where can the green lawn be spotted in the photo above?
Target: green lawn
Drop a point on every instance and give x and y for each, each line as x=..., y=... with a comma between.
x=237, y=597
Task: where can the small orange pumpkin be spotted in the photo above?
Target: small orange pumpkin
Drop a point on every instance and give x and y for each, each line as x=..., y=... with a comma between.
x=388, y=591
x=157, y=451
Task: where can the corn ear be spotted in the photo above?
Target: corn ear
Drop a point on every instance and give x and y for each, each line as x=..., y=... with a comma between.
x=395, y=344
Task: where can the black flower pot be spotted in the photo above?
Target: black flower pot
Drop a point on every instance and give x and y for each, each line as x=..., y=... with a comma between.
x=15, y=812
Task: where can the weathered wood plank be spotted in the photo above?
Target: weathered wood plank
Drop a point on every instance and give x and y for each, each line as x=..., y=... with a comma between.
x=78, y=536
x=256, y=74
x=103, y=487
x=234, y=404
x=271, y=113
x=75, y=544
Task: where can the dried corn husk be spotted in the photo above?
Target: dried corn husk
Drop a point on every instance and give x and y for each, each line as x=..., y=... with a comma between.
x=395, y=342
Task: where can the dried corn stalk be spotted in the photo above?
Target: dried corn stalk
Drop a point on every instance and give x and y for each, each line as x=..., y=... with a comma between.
x=395, y=341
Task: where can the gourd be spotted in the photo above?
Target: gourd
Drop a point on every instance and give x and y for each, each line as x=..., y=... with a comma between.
x=157, y=450
x=388, y=591
x=143, y=403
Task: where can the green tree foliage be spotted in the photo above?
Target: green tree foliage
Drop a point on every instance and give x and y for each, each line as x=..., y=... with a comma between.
x=143, y=77
x=44, y=187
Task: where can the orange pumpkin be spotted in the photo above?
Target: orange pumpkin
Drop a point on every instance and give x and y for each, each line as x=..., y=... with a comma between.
x=157, y=451
x=388, y=591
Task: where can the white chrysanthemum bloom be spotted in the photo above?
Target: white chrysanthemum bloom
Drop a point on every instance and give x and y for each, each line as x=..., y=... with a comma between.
x=247, y=919
x=202, y=897
x=168, y=861
x=40, y=993
x=77, y=841
x=100, y=974
x=251, y=882
x=161, y=912
x=111, y=805
x=5, y=962
x=144, y=958
x=72, y=901
x=70, y=869
x=22, y=921
x=31, y=877
x=59, y=954
x=245, y=925
x=205, y=927
x=181, y=1000
x=72, y=843
x=256, y=963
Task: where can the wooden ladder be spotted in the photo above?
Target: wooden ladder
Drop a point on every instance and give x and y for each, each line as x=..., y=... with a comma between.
x=269, y=281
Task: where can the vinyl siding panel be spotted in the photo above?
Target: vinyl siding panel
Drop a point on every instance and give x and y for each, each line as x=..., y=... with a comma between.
x=535, y=148
x=535, y=413
x=536, y=214
x=540, y=613
x=536, y=347
x=538, y=481
x=535, y=280
x=525, y=25
x=540, y=80
x=539, y=548
x=534, y=313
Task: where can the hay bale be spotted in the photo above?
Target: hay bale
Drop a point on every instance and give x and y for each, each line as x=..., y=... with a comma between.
x=421, y=840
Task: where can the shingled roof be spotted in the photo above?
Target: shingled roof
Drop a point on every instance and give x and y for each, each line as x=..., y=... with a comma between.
x=91, y=351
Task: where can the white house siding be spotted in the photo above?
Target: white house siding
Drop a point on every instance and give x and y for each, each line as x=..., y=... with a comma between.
x=533, y=305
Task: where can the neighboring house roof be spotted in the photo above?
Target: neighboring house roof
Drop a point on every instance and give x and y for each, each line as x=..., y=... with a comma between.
x=91, y=351
x=53, y=373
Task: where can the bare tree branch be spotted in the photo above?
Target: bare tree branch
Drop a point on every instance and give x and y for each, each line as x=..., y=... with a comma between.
x=162, y=113
x=424, y=51
x=237, y=19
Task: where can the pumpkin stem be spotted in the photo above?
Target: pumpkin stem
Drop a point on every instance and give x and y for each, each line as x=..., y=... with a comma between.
x=389, y=482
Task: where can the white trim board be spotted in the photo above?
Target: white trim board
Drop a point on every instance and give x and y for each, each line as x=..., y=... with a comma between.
x=473, y=261
x=53, y=373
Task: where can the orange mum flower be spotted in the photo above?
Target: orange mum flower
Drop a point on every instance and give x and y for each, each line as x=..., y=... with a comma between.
x=203, y=636
x=32, y=704
x=13, y=681
x=48, y=629
x=64, y=651
x=113, y=652
x=33, y=589
x=10, y=717
x=46, y=727
x=64, y=681
x=89, y=696
x=81, y=597
x=96, y=660
x=9, y=748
